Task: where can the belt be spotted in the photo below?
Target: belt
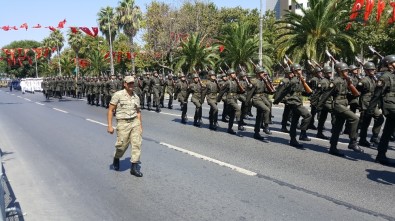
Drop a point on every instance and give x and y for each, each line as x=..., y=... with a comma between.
x=232, y=94
x=127, y=119
x=259, y=94
x=341, y=97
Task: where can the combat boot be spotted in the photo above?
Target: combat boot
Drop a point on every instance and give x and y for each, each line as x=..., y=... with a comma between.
x=303, y=136
x=157, y=109
x=335, y=152
x=322, y=136
x=257, y=136
x=211, y=127
x=284, y=129
x=382, y=159
x=135, y=171
x=240, y=126
x=295, y=143
x=312, y=127
x=353, y=145
x=266, y=129
x=364, y=143
x=215, y=125
x=115, y=164
x=231, y=131
x=375, y=139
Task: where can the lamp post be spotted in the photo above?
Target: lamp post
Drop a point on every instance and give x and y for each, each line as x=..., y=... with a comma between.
x=111, y=56
x=60, y=67
x=260, y=34
x=35, y=60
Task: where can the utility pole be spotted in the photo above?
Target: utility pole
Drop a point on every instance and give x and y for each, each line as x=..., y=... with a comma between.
x=111, y=56
x=260, y=34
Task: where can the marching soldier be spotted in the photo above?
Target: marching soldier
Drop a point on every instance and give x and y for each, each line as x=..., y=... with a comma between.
x=146, y=92
x=313, y=83
x=196, y=89
x=138, y=85
x=155, y=85
x=103, y=91
x=79, y=87
x=367, y=86
x=287, y=107
x=161, y=91
x=243, y=96
x=259, y=101
x=295, y=89
x=112, y=88
x=212, y=90
x=384, y=94
x=338, y=89
x=232, y=88
x=169, y=86
x=324, y=108
x=224, y=80
x=182, y=95
x=352, y=100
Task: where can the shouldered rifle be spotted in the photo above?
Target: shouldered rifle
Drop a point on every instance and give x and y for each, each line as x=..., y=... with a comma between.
x=268, y=83
x=375, y=52
x=316, y=63
x=351, y=87
x=242, y=69
x=306, y=87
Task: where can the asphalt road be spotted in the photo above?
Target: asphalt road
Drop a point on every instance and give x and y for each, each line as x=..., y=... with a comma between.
x=58, y=159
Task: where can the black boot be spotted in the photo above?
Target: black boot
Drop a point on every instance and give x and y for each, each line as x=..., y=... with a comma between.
x=215, y=125
x=231, y=131
x=363, y=142
x=157, y=109
x=312, y=127
x=115, y=164
x=257, y=136
x=135, y=171
x=353, y=145
x=382, y=159
x=335, y=152
x=303, y=136
x=266, y=129
x=284, y=129
x=375, y=139
x=322, y=136
x=295, y=143
x=211, y=127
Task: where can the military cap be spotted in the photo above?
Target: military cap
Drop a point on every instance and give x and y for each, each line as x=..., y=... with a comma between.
x=341, y=66
x=388, y=59
x=369, y=66
x=352, y=67
x=327, y=69
x=128, y=79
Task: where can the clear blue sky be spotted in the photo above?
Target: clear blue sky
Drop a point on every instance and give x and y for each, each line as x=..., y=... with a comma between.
x=77, y=13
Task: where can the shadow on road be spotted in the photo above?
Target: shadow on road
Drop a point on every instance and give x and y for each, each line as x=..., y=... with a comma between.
x=381, y=176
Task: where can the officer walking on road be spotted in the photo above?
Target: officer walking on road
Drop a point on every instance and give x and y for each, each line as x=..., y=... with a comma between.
x=129, y=125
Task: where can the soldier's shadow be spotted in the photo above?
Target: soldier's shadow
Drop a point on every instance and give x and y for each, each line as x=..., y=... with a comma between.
x=124, y=164
x=381, y=176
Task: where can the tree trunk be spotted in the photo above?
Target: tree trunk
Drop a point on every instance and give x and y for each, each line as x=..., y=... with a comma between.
x=131, y=52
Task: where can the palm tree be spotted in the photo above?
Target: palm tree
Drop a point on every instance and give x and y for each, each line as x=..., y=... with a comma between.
x=195, y=54
x=129, y=17
x=106, y=23
x=241, y=45
x=56, y=39
x=322, y=27
x=75, y=40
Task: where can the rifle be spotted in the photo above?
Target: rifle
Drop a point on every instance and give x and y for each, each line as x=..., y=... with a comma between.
x=350, y=85
x=301, y=78
x=316, y=64
x=375, y=52
x=241, y=89
x=247, y=81
x=268, y=84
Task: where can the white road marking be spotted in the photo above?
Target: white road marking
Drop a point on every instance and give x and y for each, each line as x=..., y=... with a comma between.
x=27, y=99
x=19, y=96
x=12, y=94
x=60, y=110
x=96, y=122
x=235, y=168
x=40, y=104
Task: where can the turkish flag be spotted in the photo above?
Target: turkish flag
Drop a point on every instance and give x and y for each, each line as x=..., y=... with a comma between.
x=74, y=30
x=221, y=48
x=119, y=57
x=62, y=23
x=15, y=28
x=95, y=31
x=26, y=50
x=6, y=28
x=392, y=19
x=51, y=28
x=368, y=9
x=380, y=9
x=37, y=26
x=358, y=4
x=24, y=25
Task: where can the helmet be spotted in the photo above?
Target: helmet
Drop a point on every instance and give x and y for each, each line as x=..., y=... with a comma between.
x=341, y=66
x=369, y=66
x=231, y=71
x=195, y=76
x=211, y=72
x=287, y=70
x=242, y=74
x=182, y=75
x=317, y=69
x=352, y=67
x=259, y=69
x=296, y=67
x=388, y=59
x=327, y=69
x=223, y=75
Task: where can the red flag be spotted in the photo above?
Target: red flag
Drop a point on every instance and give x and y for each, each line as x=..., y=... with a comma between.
x=15, y=28
x=24, y=25
x=6, y=28
x=62, y=23
x=221, y=48
x=119, y=57
x=51, y=28
x=19, y=51
x=358, y=4
x=392, y=19
x=37, y=26
x=95, y=31
x=87, y=31
x=129, y=55
x=107, y=55
x=12, y=53
x=74, y=30
x=30, y=60
x=368, y=9
x=53, y=49
x=380, y=9
x=26, y=50
x=38, y=52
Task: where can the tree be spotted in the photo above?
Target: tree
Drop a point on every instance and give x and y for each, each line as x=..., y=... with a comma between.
x=129, y=17
x=75, y=40
x=106, y=22
x=322, y=27
x=194, y=54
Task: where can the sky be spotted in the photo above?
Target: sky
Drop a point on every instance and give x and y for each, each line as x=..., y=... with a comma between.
x=77, y=13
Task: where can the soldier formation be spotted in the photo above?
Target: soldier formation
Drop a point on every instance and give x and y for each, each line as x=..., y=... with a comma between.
x=340, y=93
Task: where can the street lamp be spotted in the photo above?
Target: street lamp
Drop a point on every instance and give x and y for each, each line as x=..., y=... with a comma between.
x=111, y=57
x=260, y=34
x=60, y=67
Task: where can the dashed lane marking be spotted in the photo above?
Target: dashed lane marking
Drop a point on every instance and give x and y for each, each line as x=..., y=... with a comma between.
x=19, y=96
x=96, y=122
x=60, y=110
x=233, y=167
x=39, y=103
x=27, y=99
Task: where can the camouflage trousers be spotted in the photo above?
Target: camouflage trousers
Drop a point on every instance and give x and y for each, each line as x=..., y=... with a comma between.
x=128, y=132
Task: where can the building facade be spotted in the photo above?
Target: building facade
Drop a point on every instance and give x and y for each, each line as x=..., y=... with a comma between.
x=280, y=7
